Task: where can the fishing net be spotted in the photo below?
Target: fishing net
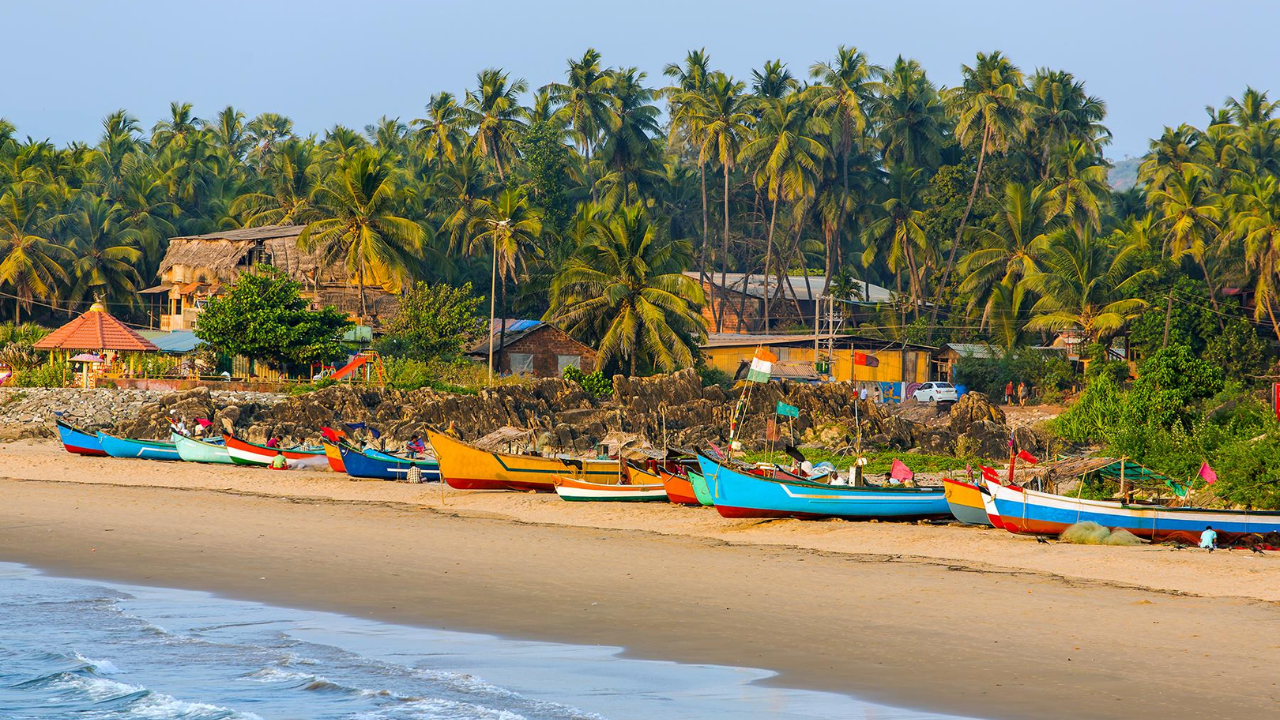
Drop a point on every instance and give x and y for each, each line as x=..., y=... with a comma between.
x=1091, y=533
x=1085, y=533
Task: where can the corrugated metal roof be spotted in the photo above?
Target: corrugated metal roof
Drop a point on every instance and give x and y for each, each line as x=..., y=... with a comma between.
x=178, y=341
x=976, y=350
x=805, y=291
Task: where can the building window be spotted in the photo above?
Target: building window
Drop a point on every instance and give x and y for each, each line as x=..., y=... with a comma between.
x=520, y=363
x=564, y=361
x=177, y=305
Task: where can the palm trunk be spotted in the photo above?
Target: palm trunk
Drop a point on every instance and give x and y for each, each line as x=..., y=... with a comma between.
x=724, y=248
x=964, y=219
x=1274, y=325
x=768, y=257
x=746, y=278
x=1213, y=296
x=364, y=308
x=703, y=276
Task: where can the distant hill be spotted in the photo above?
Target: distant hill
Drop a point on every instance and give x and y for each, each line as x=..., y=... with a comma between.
x=1124, y=173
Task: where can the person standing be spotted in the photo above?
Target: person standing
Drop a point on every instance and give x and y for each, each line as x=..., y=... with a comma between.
x=1008, y=393
x=1022, y=394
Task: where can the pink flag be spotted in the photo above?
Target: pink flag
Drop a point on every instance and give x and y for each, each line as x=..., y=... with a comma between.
x=716, y=450
x=1208, y=474
x=204, y=422
x=900, y=471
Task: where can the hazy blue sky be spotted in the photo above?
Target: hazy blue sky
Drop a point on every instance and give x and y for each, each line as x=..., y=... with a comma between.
x=323, y=62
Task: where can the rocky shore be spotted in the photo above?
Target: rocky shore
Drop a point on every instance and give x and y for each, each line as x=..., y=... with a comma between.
x=672, y=409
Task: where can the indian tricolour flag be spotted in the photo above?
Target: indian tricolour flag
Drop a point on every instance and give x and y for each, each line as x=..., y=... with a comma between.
x=761, y=366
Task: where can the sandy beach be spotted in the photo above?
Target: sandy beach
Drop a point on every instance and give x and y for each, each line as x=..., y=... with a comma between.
x=962, y=620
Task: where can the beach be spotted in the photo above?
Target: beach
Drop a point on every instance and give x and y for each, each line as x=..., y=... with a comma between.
x=960, y=620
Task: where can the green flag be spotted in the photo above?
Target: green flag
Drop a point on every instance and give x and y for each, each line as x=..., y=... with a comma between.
x=786, y=410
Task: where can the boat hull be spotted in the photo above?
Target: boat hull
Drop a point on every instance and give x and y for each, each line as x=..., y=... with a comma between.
x=700, y=489
x=579, y=491
x=740, y=495
x=965, y=502
x=469, y=468
x=679, y=489
x=192, y=450
x=1029, y=512
x=79, y=442
x=146, y=449
x=367, y=467
x=247, y=453
x=334, y=456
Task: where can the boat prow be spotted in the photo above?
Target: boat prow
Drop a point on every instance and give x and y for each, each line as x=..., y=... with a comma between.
x=465, y=467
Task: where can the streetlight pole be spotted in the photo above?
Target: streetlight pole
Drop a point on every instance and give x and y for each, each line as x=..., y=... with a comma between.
x=493, y=287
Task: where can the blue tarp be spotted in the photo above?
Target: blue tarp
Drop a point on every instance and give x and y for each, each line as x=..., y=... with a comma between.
x=178, y=341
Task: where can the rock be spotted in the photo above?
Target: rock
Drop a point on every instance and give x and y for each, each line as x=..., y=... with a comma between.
x=986, y=439
x=972, y=408
x=937, y=441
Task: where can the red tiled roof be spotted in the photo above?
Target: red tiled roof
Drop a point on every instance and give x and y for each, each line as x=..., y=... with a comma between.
x=95, y=330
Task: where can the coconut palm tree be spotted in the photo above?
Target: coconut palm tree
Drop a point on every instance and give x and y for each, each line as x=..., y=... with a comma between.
x=1257, y=226
x=266, y=131
x=685, y=131
x=900, y=227
x=624, y=288
x=440, y=133
x=1189, y=215
x=990, y=114
x=1062, y=112
x=1078, y=187
x=357, y=224
x=723, y=113
x=106, y=253
x=507, y=228
x=1176, y=150
x=586, y=105
x=1009, y=250
x=32, y=265
x=773, y=81
x=627, y=145
x=1086, y=284
x=494, y=110
x=787, y=157
x=291, y=176
x=910, y=116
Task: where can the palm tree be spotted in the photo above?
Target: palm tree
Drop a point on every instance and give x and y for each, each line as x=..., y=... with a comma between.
x=1190, y=216
x=267, y=130
x=901, y=227
x=1087, y=284
x=773, y=81
x=910, y=117
x=493, y=109
x=787, y=157
x=628, y=147
x=1079, y=187
x=508, y=229
x=1008, y=251
x=1257, y=224
x=230, y=135
x=1063, y=113
x=291, y=176
x=722, y=112
x=1176, y=150
x=691, y=82
x=440, y=132
x=178, y=130
x=358, y=225
x=990, y=113
x=33, y=264
x=586, y=105
x=106, y=255
x=624, y=287
x=1251, y=109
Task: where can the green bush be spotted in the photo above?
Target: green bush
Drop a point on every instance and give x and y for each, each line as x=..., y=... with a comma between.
x=1046, y=371
x=56, y=374
x=715, y=376
x=595, y=383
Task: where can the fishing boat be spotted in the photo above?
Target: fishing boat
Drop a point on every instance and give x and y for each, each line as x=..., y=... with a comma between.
x=965, y=501
x=201, y=451
x=147, y=449
x=700, y=489
x=575, y=490
x=1030, y=512
x=738, y=494
x=334, y=456
x=382, y=466
x=247, y=453
x=79, y=442
x=679, y=488
x=469, y=468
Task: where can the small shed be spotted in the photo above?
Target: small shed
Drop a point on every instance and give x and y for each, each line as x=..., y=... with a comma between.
x=532, y=347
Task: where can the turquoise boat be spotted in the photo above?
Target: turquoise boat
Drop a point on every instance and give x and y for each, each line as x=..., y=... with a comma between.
x=201, y=451
x=145, y=449
x=700, y=489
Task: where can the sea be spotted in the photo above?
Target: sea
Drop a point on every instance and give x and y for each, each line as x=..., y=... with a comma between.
x=91, y=650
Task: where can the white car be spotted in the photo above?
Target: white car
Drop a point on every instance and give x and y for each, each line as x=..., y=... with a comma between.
x=936, y=392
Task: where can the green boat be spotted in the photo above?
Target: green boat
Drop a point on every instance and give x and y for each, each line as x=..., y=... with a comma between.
x=200, y=451
x=700, y=489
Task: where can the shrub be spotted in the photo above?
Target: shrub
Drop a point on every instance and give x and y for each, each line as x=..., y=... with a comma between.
x=433, y=321
x=56, y=374
x=595, y=383
x=1047, y=371
x=715, y=376
x=20, y=356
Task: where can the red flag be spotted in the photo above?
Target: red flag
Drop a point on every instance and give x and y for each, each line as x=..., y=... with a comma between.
x=1208, y=474
x=204, y=422
x=861, y=358
x=1028, y=457
x=771, y=430
x=989, y=473
x=330, y=434
x=900, y=471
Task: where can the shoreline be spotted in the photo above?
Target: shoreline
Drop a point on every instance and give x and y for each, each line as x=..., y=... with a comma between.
x=892, y=628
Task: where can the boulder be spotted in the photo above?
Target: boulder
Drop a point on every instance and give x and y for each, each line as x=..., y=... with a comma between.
x=974, y=407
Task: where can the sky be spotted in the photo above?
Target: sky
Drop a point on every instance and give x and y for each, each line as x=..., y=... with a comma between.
x=323, y=62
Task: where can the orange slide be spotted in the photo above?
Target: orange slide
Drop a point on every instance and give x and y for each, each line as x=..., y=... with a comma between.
x=350, y=367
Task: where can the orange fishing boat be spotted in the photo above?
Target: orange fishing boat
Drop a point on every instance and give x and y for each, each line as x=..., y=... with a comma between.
x=334, y=456
x=679, y=488
x=469, y=468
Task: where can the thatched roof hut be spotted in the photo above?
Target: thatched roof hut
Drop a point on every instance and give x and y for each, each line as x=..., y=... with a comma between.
x=221, y=256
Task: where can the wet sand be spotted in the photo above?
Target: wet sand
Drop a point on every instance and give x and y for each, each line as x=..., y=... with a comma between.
x=963, y=620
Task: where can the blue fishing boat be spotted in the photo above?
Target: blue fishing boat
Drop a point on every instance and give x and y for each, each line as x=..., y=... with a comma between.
x=79, y=442
x=146, y=449
x=741, y=495
x=387, y=467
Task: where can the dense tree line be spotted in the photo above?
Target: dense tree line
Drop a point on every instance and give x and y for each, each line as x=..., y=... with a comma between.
x=985, y=207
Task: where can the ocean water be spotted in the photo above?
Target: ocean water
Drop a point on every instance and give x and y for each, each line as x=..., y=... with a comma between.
x=89, y=650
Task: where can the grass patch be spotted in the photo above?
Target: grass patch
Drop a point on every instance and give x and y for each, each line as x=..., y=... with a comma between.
x=878, y=463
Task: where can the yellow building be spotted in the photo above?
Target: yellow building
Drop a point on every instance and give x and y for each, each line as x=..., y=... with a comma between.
x=894, y=362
